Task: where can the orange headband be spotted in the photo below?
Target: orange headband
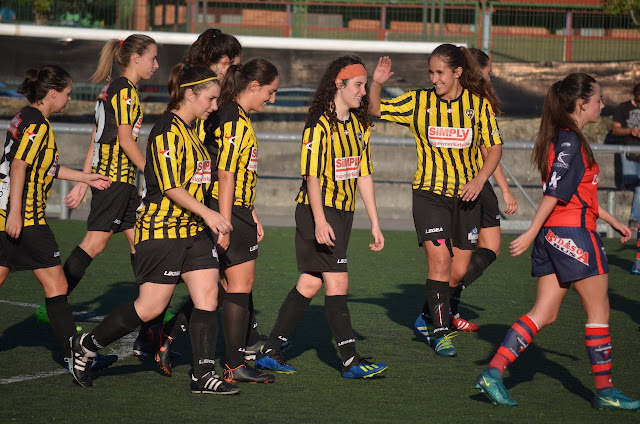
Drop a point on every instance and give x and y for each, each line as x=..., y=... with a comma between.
x=350, y=71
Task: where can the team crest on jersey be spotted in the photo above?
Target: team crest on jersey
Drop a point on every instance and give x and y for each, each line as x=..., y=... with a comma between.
x=473, y=235
x=568, y=247
x=15, y=124
x=469, y=113
x=359, y=137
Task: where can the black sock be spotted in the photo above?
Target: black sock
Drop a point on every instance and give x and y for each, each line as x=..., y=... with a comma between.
x=235, y=317
x=203, y=332
x=438, y=301
x=290, y=314
x=75, y=267
x=120, y=322
x=61, y=319
x=221, y=293
x=337, y=313
x=480, y=260
x=253, y=335
x=180, y=322
x=454, y=293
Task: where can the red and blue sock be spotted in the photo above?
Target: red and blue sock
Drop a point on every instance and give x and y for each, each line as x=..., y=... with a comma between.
x=598, y=343
x=515, y=342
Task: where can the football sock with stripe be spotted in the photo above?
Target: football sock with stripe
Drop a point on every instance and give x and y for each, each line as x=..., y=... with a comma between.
x=235, y=318
x=203, y=332
x=437, y=303
x=120, y=322
x=339, y=319
x=515, y=342
x=61, y=319
x=598, y=343
x=75, y=266
x=291, y=312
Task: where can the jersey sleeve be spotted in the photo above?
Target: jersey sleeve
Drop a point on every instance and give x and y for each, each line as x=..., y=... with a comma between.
x=123, y=104
x=231, y=137
x=31, y=142
x=489, y=131
x=366, y=165
x=567, y=168
x=164, y=149
x=313, y=148
x=399, y=109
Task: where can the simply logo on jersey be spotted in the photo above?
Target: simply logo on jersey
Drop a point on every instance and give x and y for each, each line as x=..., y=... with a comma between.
x=433, y=230
x=54, y=166
x=568, y=247
x=253, y=160
x=202, y=174
x=450, y=138
x=307, y=144
x=553, y=182
x=166, y=154
x=347, y=168
x=560, y=162
x=473, y=235
x=469, y=113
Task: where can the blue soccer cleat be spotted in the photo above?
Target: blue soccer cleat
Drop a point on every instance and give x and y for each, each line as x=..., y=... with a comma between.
x=272, y=359
x=425, y=327
x=635, y=269
x=444, y=347
x=612, y=398
x=363, y=368
x=494, y=389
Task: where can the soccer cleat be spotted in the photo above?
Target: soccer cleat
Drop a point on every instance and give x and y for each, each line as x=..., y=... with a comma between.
x=635, y=269
x=363, y=368
x=272, y=359
x=148, y=343
x=81, y=360
x=246, y=374
x=444, y=347
x=163, y=355
x=210, y=383
x=462, y=324
x=612, y=398
x=494, y=390
x=101, y=362
x=425, y=328
x=251, y=351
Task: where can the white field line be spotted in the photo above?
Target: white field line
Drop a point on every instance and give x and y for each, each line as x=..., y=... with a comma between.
x=122, y=348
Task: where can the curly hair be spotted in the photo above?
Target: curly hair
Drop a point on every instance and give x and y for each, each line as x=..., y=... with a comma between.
x=324, y=98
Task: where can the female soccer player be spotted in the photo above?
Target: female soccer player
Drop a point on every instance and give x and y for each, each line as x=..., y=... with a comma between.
x=245, y=88
x=567, y=249
x=336, y=163
x=27, y=169
x=114, y=153
x=449, y=123
x=489, y=233
x=170, y=237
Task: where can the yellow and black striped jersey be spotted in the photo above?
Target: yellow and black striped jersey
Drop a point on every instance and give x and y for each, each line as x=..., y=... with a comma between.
x=29, y=139
x=175, y=158
x=238, y=153
x=448, y=135
x=205, y=130
x=118, y=104
x=337, y=157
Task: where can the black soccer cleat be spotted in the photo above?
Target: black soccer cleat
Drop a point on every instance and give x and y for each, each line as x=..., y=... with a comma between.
x=149, y=342
x=163, y=356
x=210, y=383
x=81, y=360
x=246, y=374
x=101, y=362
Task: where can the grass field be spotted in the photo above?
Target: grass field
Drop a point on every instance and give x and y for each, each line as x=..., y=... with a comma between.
x=551, y=381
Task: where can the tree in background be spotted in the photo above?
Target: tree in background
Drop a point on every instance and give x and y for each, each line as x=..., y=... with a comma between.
x=624, y=7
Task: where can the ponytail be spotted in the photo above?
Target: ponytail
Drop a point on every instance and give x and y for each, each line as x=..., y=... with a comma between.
x=238, y=78
x=184, y=77
x=120, y=52
x=38, y=82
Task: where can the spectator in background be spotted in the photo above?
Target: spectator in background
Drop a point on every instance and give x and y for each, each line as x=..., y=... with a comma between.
x=7, y=14
x=626, y=125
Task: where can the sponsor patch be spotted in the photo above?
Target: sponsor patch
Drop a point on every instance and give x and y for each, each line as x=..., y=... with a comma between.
x=136, y=127
x=568, y=247
x=553, y=182
x=595, y=179
x=473, y=235
x=5, y=186
x=54, y=166
x=253, y=160
x=560, y=160
x=347, y=168
x=14, y=125
x=202, y=174
x=450, y=138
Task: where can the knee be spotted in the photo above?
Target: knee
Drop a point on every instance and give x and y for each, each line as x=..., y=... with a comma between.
x=308, y=286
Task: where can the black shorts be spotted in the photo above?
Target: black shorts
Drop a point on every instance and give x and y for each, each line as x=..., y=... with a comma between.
x=35, y=248
x=113, y=209
x=572, y=253
x=3, y=256
x=243, y=245
x=163, y=261
x=444, y=218
x=314, y=257
x=489, y=207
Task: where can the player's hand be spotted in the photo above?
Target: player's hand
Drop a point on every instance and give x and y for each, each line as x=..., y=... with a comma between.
x=382, y=73
x=75, y=196
x=635, y=132
x=13, y=226
x=98, y=181
x=223, y=242
x=325, y=234
x=471, y=190
x=378, y=240
x=218, y=223
x=511, y=204
x=623, y=230
x=521, y=244
x=260, y=230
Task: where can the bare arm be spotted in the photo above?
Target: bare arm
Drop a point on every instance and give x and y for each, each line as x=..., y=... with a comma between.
x=472, y=189
x=617, y=129
x=226, y=188
x=18, y=175
x=381, y=74
x=77, y=193
x=367, y=191
x=522, y=243
x=622, y=229
x=125, y=138
x=511, y=204
x=215, y=221
x=324, y=231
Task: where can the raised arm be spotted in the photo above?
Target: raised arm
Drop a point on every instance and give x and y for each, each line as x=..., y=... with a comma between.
x=381, y=75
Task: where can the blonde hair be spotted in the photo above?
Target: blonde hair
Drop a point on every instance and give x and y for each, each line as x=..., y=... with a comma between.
x=120, y=52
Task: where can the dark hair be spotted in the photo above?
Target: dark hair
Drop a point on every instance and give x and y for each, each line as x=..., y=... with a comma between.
x=37, y=83
x=561, y=101
x=184, y=74
x=481, y=57
x=211, y=46
x=239, y=77
x=324, y=99
x=471, y=78
x=636, y=89
x=120, y=52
